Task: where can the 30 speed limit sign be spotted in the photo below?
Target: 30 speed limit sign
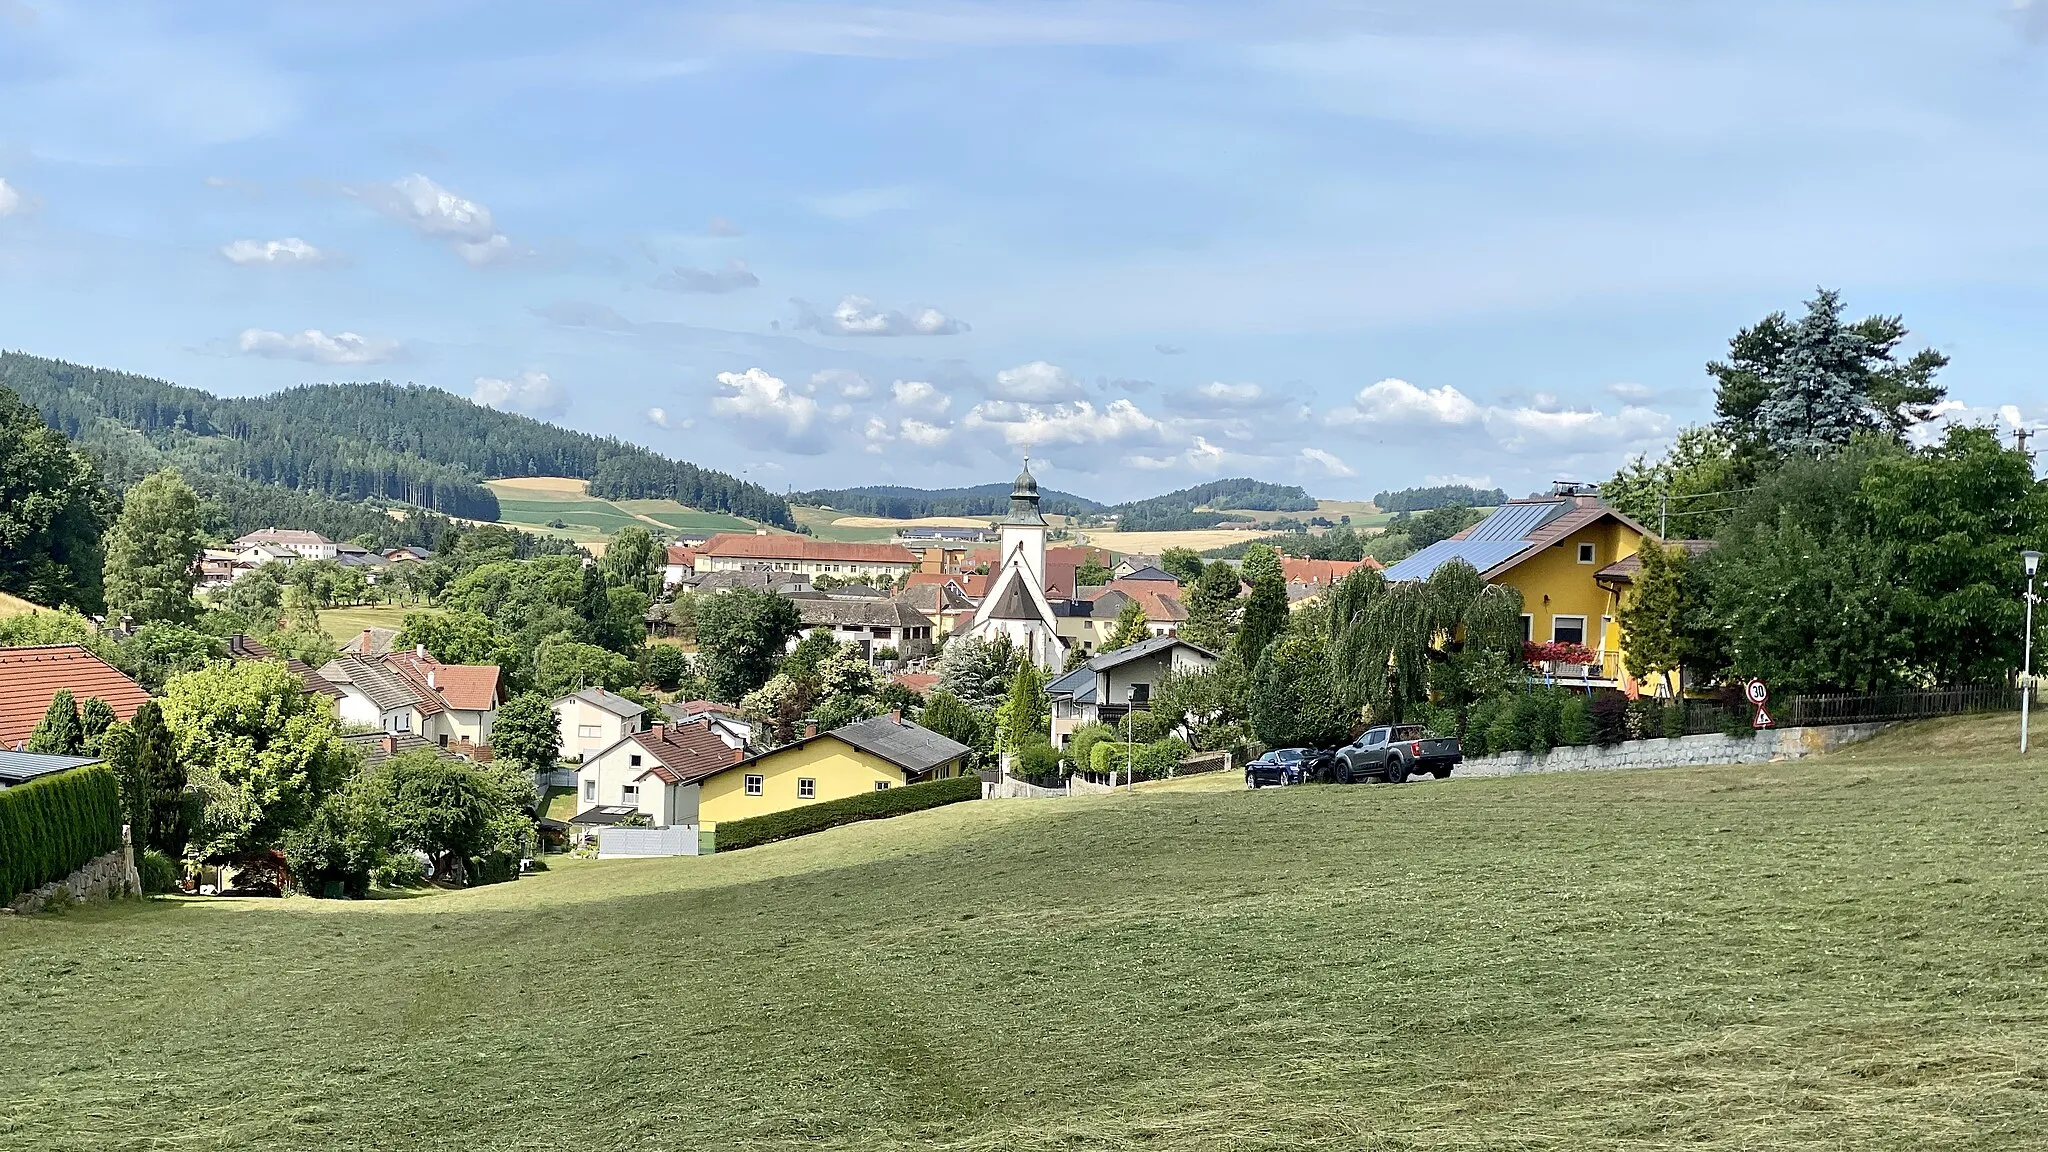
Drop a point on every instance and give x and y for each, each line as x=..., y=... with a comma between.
x=1758, y=694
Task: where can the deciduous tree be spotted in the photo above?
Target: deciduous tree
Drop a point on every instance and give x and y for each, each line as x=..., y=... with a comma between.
x=741, y=637
x=52, y=513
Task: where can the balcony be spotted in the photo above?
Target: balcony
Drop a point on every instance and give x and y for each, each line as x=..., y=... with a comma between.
x=1604, y=670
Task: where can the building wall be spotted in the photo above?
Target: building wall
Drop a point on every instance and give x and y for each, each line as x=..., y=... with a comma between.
x=839, y=769
x=841, y=568
x=573, y=715
x=1554, y=583
x=615, y=771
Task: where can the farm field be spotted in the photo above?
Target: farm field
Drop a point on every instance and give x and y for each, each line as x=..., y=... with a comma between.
x=342, y=623
x=1152, y=543
x=1840, y=954
x=536, y=502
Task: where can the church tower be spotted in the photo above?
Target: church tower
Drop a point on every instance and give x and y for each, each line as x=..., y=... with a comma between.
x=1024, y=528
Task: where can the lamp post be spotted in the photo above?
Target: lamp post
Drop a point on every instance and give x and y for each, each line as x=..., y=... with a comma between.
x=2032, y=560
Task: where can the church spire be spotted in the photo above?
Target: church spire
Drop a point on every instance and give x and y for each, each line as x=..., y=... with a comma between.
x=1024, y=498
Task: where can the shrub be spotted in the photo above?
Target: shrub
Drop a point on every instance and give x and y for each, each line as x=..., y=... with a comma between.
x=733, y=835
x=1536, y=712
x=1509, y=731
x=1642, y=720
x=399, y=870
x=1037, y=763
x=1142, y=727
x=1081, y=744
x=1673, y=719
x=52, y=826
x=1738, y=723
x=1478, y=724
x=1153, y=761
x=159, y=874
x=1575, y=722
x=666, y=666
x=1610, y=719
x=495, y=868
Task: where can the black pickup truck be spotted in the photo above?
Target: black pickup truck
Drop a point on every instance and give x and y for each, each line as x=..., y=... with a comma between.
x=1394, y=754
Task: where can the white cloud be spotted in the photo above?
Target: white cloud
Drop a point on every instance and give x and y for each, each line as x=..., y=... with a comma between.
x=858, y=316
x=277, y=253
x=1517, y=429
x=915, y=431
x=436, y=212
x=1077, y=423
x=1629, y=390
x=10, y=199
x=530, y=393
x=850, y=384
x=1458, y=478
x=1037, y=382
x=766, y=400
x=317, y=347
x=1330, y=464
x=1394, y=401
x=920, y=396
x=660, y=418
x=1151, y=463
x=732, y=278
x=1202, y=454
x=877, y=433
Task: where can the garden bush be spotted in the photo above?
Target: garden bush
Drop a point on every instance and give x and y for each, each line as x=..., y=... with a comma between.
x=159, y=873
x=399, y=870
x=1509, y=728
x=1610, y=719
x=1081, y=744
x=494, y=868
x=1575, y=722
x=1142, y=728
x=1038, y=764
x=733, y=835
x=52, y=826
x=1673, y=719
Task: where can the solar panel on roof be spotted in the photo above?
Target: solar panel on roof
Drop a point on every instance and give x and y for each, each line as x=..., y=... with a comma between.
x=1481, y=554
x=1516, y=521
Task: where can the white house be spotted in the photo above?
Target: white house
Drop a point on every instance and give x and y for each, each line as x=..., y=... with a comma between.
x=870, y=625
x=594, y=719
x=303, y=544
x=655, y=771
x=679, y=563
x=1114, y=684
x=413, y=692
x=738, y=551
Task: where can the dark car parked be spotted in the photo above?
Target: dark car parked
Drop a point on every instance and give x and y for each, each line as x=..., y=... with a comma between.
x=1279, y=767
x=1395, y=754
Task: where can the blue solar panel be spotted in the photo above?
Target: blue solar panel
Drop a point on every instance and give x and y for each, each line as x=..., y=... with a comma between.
x=1481, y=554
x=1516, y=521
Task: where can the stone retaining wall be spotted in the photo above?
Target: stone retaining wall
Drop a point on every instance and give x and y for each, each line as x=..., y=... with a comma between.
x=1712, y=748
x=105, y=877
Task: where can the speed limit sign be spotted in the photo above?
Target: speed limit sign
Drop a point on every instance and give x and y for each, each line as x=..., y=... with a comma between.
x=1758, y=694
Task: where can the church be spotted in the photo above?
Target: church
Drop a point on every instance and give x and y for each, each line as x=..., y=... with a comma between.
x=1016, y=604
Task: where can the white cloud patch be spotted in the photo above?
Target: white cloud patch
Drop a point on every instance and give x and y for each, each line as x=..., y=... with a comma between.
x=859, y=316
x=1079, y=422
x=317, y=347
x=288, y=252
x=1458, y=478
x=915, y=431
x=531, y=393
x=850, y=384
x=919, y=396
x=1520, y=429
x=1394, y=401
x=877, y=434
x=436, y=212
x=11, y=199
x=1037, y=382
x=660, y=418
x=1629, y=390
x=732, y=278
x=1328, y=463
x=770, y=404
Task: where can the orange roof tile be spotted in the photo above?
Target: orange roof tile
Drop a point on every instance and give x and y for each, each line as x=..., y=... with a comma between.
x=681, y=554
x=468, y=687
x=750, y=546
x=684, y=753
x=1321, y=572
x=30, y=678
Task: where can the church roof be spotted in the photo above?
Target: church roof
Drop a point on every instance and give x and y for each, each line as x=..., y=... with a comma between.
x=1014, y=604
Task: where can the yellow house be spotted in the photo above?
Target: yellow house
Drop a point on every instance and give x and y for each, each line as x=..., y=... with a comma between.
x=865, y=756
x=1568, y=555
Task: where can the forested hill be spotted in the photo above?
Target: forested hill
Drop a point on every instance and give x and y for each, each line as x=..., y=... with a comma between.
x=406, y=443
x=910, y=503
x=1177, y=511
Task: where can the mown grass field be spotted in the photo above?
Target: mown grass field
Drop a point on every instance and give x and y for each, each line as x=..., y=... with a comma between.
x=1846, y=953
x=342, y=623
x=15, y=606
x=536, y=503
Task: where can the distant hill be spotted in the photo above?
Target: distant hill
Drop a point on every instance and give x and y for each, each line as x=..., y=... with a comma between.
x=898, y=503
x=1179, y=511
x=379, y=441
x=1424, y=499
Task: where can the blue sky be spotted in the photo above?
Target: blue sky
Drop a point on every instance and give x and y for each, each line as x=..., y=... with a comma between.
x=1356, y=246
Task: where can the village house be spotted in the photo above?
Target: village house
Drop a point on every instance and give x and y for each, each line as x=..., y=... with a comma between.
x=31, y=677
x=448, y=704
x=944, y=605
x=290, y=541
x=1111, y=686
x=868, y=624
x=734, y=551
x=654, y=772
x=865, y=756
x=594, y=718
x=679, y=562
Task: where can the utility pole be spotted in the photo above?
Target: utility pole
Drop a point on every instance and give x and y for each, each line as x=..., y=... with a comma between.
x=2020, y=436
x=2032, y=560
x=1664, y=515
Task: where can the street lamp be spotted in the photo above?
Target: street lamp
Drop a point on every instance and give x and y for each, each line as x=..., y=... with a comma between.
x=2032, y=560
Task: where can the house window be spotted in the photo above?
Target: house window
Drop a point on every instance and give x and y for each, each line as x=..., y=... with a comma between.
x=1568, y=629
x=590, y=791
x=444, y=739
x=1528, y=628
x=881, y=785
x=806, y=788
x=1585, y=553
x=402, y=722
x=587, y=731
x=1141, y=695
x=629, y=794
x=633, y=761
x=753, y=784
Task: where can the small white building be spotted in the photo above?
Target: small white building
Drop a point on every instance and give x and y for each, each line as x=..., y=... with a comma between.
x=448, y=704
x=303, y=544
x=655, y=772
x=594, y=719
x=1115, y=684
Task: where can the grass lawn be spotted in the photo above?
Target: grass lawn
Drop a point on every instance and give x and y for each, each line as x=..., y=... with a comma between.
x=535, y=503
x=15, y=606
x=342, y=623
x=1846, y=953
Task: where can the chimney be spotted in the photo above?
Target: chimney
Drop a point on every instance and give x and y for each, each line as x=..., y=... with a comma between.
x=739, y=754
x=895, y=715
x=419, y=651
x=810, y=729
x=390, y=743
x=430, y=678
x=366, y=642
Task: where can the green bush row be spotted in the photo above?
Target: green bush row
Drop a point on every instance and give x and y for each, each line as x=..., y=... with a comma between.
x=1153, y=761
x=1541, y=718
x=736, y=834
x=159, y=872
x=52, y=826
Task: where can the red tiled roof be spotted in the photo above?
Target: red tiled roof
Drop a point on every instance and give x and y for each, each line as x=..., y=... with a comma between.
x=749, y=546
x=468, y=687
x=918, y=682
x=682, y=555
x=1321, y=572
x=695, y=707
x=686, y=753
x=1161, y=601
x=30, y=677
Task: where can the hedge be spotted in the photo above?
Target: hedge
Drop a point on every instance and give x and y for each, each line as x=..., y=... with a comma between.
x=1154, y=761
x=736, y=834
x=53, y=826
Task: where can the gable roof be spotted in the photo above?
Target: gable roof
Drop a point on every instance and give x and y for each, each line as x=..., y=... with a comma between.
x=1151, y=573
x=385, y=689
x=611, y=702
x=1080, y=683
x=932, y=598
x=860, y=613
x=372, y=746
x=1160, y=601
x=371, y=642
x=680, y=555
x=681, y=753
x=467, y=687
x=30, y=678
x=911, y=747
x=241, y=646
x=748, y=545
x=1322, y=573
x=22, y=767
x=1513, y=532
x=282, y=536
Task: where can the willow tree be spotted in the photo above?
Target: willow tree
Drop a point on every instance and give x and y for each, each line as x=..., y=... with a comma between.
x=1452, y=638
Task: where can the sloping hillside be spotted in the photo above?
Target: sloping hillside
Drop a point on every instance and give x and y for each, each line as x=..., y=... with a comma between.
x=1837, y=954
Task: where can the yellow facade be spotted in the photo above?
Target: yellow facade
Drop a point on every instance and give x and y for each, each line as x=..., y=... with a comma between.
x=836, y=769
x=1559, y=591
